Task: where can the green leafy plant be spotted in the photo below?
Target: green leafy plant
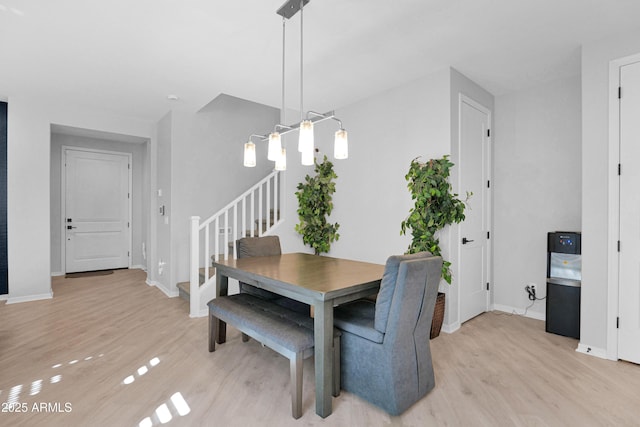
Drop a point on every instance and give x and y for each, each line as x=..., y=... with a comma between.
x=435, y=206
x=314, y=207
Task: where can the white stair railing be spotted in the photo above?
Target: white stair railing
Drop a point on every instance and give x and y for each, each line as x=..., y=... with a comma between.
x=256, y=212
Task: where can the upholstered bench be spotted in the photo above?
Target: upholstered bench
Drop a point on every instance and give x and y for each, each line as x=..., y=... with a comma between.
x=285, y=331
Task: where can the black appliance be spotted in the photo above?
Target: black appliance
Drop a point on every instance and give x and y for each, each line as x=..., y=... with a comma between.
x=564, y=278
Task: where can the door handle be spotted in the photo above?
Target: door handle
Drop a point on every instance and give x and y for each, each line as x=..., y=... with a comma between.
x=465, y=241
x=69, y=227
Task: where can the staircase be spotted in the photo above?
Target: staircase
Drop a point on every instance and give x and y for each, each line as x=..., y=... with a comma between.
x=254, y=213
x=184, y=287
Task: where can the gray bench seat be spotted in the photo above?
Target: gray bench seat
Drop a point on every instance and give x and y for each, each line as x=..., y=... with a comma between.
x=287, y=332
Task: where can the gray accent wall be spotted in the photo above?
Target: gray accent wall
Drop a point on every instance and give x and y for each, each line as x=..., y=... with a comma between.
x=4, y=276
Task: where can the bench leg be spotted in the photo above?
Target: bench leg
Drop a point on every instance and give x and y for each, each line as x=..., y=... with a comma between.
x=336, y=366
x=245, y=337
x=296, y=385
x=221, y=334
x=213, y=332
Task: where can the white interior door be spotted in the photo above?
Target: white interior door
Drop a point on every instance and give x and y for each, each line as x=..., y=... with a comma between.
x=97, y=211
x=629, y=275
x=474, y=176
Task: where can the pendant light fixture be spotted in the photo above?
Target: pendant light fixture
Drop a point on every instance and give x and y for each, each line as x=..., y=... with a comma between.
x=281, y=161
x=341, y=145
x=306, y=144
x=249, y=154
x=275, y=146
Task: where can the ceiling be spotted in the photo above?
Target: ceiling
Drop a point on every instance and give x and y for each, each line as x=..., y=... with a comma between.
x=126, y=56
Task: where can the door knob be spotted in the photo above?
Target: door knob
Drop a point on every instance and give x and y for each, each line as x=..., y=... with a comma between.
x=69, y=227
x=465, y=241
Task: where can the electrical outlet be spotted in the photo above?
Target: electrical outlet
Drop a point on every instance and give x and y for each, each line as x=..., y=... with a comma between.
x=531, y=291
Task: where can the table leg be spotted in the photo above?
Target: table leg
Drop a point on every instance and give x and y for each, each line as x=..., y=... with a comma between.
x=222, y=289
x=323, y=329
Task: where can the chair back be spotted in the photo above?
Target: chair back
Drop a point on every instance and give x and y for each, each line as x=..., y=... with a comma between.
x=410, y=316
x=258, y=246
x=388, y=287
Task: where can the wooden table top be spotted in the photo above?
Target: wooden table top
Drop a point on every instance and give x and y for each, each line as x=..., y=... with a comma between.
x=318, y=274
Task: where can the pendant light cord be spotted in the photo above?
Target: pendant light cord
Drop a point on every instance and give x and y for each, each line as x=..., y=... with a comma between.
x=301, y=59
x=282, y=114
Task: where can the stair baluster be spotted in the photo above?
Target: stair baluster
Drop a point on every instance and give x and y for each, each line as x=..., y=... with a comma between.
x=200, y=288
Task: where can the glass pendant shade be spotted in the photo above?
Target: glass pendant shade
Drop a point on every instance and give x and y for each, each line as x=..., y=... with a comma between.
x=307, y=158
x=341, y=145
x=305, y=143
x=250, y=154
x=275, y=146
x=281, y=162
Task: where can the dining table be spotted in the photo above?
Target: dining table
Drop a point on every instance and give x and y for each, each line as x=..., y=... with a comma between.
x=322, y=282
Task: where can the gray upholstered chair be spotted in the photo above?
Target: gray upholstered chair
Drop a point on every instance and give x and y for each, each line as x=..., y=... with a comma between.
x=265, y=246
x=385, y=356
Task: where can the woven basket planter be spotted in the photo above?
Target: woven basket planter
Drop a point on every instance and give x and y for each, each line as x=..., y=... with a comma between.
x=438, y=316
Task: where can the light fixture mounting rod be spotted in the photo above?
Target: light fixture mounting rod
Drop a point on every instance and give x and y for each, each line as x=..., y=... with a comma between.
x=291, y=7
x=329, y=115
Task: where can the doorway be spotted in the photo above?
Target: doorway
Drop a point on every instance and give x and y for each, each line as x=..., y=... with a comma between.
x=628, y=319
x=474, y=174
x=96, y=209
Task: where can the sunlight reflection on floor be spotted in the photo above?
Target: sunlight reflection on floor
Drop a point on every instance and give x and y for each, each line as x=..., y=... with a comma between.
x=163, y=414
x=35, y=387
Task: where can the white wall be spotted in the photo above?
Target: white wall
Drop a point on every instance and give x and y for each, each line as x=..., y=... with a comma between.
x=161, y=275
x=597, y=322
x=28, y=179
x=537, y=185
x=386, y=131
x=139, y=217
x=205, y=167
x=28, y=200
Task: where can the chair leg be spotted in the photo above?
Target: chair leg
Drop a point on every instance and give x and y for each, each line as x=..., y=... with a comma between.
x=213, y=332
x=336, y=366
x=245, y=337
x=296, y=385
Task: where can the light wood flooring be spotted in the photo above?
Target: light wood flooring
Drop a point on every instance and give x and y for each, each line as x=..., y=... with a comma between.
x=114, y=350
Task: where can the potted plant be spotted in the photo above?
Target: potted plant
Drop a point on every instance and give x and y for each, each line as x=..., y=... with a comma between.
x=435, y=206
x=314, y=207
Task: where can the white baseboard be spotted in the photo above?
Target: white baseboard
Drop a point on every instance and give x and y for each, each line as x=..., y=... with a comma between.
x=4, y=297
x=201, y=313
x=29, y=298
x=450, y=328
x=592, y=351
x=167, y=292
x=133, y=267
x=519, y=311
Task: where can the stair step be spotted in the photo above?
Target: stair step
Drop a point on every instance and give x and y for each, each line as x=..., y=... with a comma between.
x=184, y=288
